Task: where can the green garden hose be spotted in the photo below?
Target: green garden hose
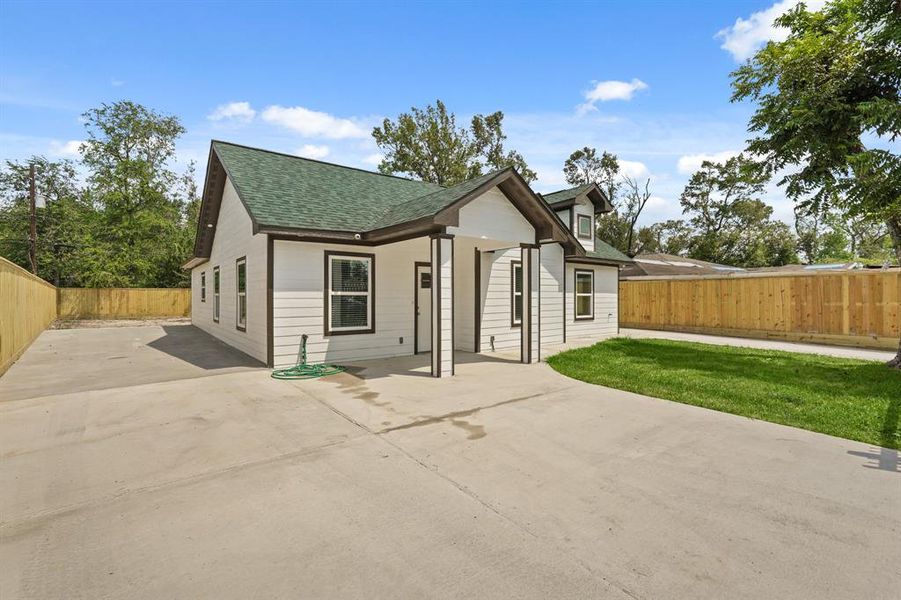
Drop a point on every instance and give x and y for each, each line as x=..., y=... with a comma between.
x=304, y=371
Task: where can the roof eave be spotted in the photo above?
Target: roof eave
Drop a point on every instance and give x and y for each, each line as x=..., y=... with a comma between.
x=612, y=262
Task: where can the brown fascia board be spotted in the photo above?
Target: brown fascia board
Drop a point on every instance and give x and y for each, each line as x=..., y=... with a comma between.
x=590, y=260
x=208, y=216
x=600, y=201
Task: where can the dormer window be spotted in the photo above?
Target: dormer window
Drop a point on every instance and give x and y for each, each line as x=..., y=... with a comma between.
x=583, y=229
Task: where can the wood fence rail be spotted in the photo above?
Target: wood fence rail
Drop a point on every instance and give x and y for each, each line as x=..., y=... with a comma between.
x=851, y=308
x=123, y=303
x=27, y=307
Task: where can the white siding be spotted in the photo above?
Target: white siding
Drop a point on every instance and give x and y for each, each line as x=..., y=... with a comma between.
x=496, y=298
x=584, y=206
x=298, y=283
x=234, y=238
x=605, y=322
x=491, y=216
x=464, y=280
x=564, y=216
x=551, y=275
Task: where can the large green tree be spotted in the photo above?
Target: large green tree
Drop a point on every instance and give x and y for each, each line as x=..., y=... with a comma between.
x=584, y=166
x=829, y=108
x=732, y=224
x=64, y=223
x=429, y=145
x=130, y=223
x=128, y=155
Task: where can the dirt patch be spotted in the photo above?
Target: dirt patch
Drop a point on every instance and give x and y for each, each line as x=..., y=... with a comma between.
x=98, y=323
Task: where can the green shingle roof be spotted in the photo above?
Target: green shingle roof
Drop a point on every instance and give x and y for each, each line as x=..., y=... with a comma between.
x=569, y=194
x=430, y=204
x=605, y=251
x=286, y=191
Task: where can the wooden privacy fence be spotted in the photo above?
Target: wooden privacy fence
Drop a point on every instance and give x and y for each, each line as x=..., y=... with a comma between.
x=856, y=309
x=27, y=307
x=123, y=303
x=28, y=304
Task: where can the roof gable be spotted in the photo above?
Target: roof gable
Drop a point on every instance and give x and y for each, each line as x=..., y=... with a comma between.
x=591, y=192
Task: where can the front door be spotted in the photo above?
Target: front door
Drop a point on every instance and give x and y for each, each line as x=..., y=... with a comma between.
x=423, y=307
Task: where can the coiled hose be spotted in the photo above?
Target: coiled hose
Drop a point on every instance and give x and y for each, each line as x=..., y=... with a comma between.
x=304, y=371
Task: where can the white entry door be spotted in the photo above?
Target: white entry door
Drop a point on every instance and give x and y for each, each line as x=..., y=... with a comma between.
x=423, y=308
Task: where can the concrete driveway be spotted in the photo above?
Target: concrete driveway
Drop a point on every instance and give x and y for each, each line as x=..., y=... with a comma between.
x=154, y=462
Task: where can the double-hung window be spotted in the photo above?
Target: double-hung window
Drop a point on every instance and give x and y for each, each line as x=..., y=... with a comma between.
x=349, y=291
x=584, y=294
x=584, y=227
x=216, y=294
x=241, y=291
x=203, y=286
x=516, y=293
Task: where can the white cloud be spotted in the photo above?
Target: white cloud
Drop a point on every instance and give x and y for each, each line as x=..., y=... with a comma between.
x=311, y=123
x=689, y=163
x=238, y=111
x=656, y=202
x=373, y=159
x=116, y=82
x=746, y=36
x=633, y=169
x=65, y=149
x=604, y=91
x=312, y=151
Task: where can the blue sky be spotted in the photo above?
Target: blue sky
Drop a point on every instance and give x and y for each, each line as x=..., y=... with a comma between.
x=648, y=81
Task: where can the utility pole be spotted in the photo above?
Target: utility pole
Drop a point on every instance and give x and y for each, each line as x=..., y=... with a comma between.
x=33, y=235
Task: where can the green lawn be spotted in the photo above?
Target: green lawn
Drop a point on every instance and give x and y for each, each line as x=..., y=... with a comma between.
x=853, y=399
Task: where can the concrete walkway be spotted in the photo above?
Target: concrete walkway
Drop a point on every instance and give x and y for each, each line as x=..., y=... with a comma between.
x=839, y=351
x=192, y=474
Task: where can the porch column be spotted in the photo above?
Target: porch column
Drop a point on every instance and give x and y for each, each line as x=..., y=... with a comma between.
x=442, y=258
x=530, y=331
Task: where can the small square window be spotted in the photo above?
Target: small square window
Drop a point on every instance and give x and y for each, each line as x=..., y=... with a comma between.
x=584, y=227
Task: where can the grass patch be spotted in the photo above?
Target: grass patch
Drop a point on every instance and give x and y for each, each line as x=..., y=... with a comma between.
x=854, y=399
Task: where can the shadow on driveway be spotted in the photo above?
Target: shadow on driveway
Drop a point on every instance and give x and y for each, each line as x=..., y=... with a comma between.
x=192, y=345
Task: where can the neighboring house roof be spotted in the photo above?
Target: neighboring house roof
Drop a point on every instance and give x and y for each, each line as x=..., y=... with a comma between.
x=566, y=198
x=653, y=264
x=316, y=201
x=847, y=266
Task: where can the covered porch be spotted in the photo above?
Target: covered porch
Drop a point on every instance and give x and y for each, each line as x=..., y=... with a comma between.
x=479, y=270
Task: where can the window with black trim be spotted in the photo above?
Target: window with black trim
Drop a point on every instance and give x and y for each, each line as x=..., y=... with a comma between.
x=203, y=286
x=241, y=293
x=516, y=293
x=349, y=293
x=584, y=295
x=215, y=294
x=584, y=227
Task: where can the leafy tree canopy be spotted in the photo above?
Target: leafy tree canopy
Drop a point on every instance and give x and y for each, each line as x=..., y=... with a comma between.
x=829, y=105
x=130, y=224
x=427, y=144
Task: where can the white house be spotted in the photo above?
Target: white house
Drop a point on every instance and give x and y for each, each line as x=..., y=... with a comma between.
x=371, y=266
